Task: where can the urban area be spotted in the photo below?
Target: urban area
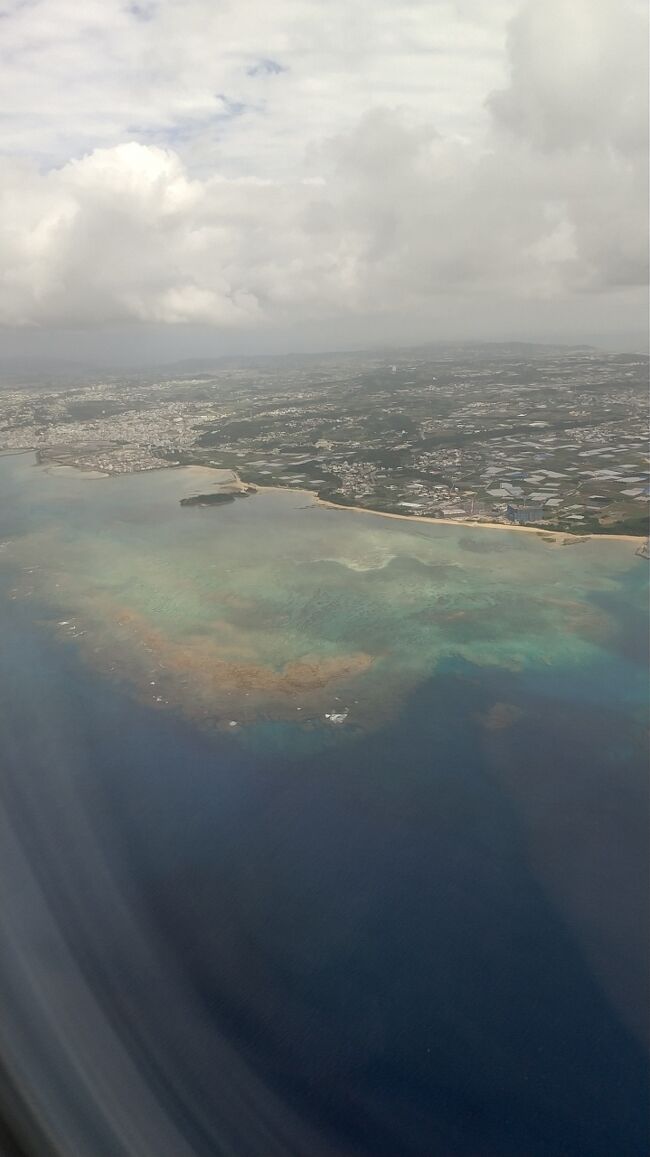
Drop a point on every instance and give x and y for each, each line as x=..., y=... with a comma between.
x=556, y=437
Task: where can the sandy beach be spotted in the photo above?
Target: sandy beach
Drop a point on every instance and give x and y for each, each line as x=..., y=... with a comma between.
x=541, y=531
x=60, y=470
x=229, y=479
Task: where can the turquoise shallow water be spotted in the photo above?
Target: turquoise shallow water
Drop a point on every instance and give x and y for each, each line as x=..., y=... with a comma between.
x=273, y=608
x=420, y=931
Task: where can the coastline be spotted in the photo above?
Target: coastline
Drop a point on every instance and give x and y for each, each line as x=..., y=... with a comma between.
x=540, y=531
x=237, y=482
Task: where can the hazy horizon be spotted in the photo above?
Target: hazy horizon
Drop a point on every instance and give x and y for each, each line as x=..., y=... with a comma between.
x=154, y=353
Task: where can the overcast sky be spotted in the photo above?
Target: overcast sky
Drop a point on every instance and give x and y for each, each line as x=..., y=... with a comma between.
x=199, y=176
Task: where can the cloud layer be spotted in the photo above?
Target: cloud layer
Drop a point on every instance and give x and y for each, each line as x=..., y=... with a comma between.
x=256, y=166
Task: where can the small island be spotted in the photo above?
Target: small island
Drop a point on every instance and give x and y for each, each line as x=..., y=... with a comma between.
x=217, y=498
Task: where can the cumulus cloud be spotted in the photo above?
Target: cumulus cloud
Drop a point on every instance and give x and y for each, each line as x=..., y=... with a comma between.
x=578, y=75
x=242, y=85
x=293, y=191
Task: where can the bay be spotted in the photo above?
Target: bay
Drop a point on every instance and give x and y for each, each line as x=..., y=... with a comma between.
x=420, y=931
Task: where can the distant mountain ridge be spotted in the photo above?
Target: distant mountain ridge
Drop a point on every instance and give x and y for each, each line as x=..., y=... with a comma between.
x=39, y=371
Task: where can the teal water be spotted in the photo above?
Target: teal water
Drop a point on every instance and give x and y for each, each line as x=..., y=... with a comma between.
x=419, y=931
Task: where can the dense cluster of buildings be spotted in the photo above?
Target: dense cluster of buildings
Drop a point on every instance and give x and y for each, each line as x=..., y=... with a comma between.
x=556, y=436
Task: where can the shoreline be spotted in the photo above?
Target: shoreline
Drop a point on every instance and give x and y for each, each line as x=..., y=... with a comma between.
x=432, y=521
x=429, y=520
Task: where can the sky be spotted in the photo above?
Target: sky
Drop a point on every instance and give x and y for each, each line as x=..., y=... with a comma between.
x=218, y=176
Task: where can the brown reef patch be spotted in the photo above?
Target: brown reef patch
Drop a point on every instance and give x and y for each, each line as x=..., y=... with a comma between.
x=198, y=674
x=500, y=716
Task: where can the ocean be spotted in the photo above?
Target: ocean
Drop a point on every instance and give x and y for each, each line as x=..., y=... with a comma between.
x=234, y=926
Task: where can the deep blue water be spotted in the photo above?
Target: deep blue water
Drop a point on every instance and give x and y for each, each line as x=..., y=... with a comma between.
x=425, y=942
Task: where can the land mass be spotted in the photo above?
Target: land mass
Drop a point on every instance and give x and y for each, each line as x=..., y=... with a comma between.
x=218, y=497
x=552, y=437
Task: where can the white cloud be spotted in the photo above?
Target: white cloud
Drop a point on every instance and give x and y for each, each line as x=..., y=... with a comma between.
x=579, y=74
x=159, y=172
x=75, y=77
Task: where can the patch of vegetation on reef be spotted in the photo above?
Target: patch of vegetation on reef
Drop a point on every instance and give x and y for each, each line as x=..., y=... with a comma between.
x=207, y=500
x=218, y=498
